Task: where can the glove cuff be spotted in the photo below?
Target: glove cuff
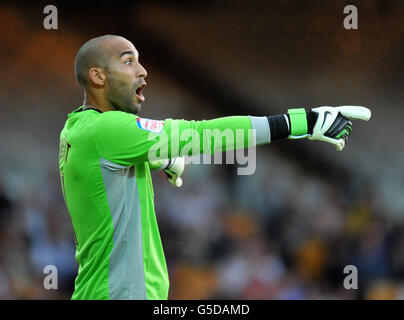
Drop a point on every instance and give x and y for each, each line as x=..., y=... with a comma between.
x=301, y=122
x=160, y=164
x=298, y=122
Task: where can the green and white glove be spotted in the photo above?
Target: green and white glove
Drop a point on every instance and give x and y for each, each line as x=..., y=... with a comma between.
x=173, y=169
x=333, y=124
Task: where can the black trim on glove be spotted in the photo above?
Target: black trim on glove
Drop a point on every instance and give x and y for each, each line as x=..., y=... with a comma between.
x=311, y=120
x=339, y=124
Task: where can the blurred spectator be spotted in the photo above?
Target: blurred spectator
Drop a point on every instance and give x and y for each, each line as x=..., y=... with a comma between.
x=284, y=232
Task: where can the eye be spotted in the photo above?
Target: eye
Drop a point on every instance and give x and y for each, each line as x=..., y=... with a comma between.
x=129, y=61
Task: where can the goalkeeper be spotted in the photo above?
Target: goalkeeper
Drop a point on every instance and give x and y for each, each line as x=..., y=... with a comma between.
x=105, y=165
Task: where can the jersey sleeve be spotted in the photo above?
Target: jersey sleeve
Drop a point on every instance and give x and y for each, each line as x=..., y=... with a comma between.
x=126, y=139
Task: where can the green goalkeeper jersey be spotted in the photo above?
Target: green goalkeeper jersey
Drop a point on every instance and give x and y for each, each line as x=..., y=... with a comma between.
x=107, y=186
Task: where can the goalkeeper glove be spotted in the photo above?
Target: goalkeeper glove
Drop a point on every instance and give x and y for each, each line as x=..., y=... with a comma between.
x=329, y=124
x=173, y=169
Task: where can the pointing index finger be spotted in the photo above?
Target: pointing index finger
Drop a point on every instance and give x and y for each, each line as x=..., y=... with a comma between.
x=355, y=112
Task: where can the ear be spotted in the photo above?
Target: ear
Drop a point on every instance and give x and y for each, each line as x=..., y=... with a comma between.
x=97, y=76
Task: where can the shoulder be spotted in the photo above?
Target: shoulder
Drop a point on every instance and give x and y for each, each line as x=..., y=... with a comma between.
x=122, y=121
x=111, y=118
x=114, y=121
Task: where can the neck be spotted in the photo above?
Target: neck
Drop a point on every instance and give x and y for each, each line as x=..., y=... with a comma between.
x=92, y=101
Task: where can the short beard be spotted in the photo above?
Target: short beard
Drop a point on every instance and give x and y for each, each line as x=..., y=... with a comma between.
x=120, y=95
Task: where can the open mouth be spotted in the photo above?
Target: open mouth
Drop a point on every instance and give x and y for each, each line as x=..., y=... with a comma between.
x=139, y=91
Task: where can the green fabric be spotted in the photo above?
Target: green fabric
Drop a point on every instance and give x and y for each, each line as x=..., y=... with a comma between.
x=343, y=132
x=298, y=121
x=116, y=136
x=87, y=204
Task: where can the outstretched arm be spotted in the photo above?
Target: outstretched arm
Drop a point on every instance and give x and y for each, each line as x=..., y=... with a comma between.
x=127, y=139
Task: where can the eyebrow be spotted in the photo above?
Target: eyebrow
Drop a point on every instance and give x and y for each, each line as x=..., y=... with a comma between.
x=127, y=52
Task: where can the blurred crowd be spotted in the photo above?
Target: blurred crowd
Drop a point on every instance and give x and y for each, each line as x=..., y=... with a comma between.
x=281, y=233
x=277, y=234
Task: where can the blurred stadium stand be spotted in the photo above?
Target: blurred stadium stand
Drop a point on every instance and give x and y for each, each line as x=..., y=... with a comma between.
x=285, y=232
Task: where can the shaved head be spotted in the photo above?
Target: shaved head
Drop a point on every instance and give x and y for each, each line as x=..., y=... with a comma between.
x=94, y=53
x=109, y=71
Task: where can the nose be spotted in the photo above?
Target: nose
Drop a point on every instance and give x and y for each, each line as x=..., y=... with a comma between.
x=142, y=71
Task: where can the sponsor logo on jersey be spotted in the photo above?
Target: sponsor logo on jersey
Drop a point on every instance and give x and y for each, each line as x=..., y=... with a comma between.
x=155, y=126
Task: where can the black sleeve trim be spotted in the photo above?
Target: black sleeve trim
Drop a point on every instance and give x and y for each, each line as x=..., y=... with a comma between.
x=278, y=126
